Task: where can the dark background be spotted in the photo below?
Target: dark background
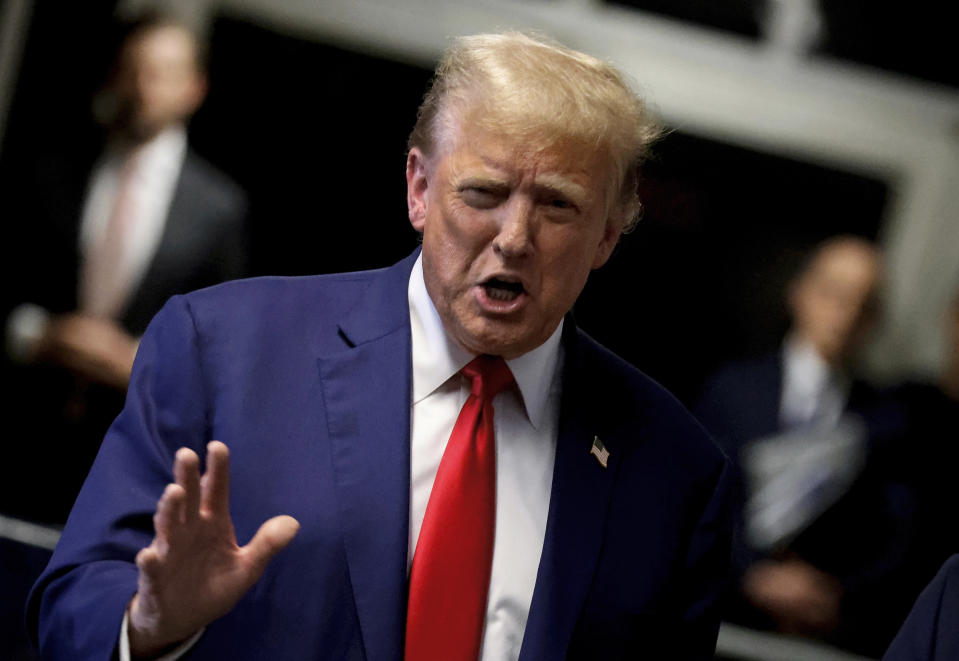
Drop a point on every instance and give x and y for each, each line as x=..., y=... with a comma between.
x=914, y=39
x=316, y=135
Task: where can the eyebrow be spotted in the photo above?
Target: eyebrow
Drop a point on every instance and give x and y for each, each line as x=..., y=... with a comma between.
x=482, y=181
x=560, y=185
x=549, y=183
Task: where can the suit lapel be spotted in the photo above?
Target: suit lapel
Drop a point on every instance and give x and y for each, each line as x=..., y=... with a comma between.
x=767, y=392
x=179, y=236
x=366, y=389
x=183, y=230
x=577, y=511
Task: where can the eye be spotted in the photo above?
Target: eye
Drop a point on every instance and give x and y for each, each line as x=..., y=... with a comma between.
x=559, y=205
x=480, y=197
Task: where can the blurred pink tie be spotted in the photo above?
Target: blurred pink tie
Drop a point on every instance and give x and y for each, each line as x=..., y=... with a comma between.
x=104, y=282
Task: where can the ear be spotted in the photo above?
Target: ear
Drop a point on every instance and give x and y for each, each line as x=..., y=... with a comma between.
x=794, y=291
x=194, y=93
x=611, y=234
x=200, y=87
x=416, y=188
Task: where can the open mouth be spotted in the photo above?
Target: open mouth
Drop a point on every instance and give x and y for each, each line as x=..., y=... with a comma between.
x=502, y=290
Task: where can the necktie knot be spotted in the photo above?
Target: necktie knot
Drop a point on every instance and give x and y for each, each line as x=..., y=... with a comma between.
x=489, y=376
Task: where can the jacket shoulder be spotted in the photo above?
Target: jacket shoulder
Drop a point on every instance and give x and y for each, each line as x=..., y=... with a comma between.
x=276, y=306
x=219, y=189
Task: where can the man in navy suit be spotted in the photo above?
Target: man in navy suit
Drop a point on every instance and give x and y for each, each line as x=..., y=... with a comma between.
x=337, y=396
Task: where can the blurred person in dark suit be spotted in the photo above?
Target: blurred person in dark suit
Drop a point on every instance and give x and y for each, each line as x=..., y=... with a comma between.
x=97, y=243
x=816, y=528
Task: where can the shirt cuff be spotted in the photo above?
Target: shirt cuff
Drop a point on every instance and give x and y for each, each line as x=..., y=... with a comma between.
x=25, y=326
x=172, y=655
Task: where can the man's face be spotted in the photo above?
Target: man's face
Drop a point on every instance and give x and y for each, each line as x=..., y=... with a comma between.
x=510, y=234
x=157, y=82
x=834, y=300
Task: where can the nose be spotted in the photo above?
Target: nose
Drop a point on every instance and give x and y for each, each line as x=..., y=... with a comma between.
x=514, y=238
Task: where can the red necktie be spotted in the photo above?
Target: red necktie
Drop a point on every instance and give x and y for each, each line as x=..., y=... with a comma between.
x=449, y=580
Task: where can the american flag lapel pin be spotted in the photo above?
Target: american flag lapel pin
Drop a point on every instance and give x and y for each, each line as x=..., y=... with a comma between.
x=599, y=451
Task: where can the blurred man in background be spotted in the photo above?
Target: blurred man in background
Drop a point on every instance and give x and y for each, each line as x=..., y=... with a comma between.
x=816, y=527
x=99, y=243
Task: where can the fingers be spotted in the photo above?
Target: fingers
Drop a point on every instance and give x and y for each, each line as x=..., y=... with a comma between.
x=182, y=501
x=170, y=515
x=272, y=537
x=148, y=560
x=186, y=471
x=215, y=485
x=178, y=506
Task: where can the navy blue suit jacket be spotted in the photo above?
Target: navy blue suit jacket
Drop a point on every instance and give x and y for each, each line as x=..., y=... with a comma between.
x=930, y=632
x=308, y=382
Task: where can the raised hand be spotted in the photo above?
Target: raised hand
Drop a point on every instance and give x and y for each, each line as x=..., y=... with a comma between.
x=800, y=598
x=97, y=349
x=193, y=571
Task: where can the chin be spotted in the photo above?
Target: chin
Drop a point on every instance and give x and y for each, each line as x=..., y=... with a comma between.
x=482, y=334
x=484, y=340
x=503, y=345
x=491, y=347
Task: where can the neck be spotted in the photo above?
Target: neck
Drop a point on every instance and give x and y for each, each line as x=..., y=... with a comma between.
x=800, y=342
x=131, y=138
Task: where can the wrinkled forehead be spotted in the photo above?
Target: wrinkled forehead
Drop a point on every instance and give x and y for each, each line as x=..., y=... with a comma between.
x=523, y=137
x=550, y=157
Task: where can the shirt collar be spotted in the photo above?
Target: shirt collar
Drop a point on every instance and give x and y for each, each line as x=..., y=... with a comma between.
x=437, y=357
x=162, y=154
x=805, y=369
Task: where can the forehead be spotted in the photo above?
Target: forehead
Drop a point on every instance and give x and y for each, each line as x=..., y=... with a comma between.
x=470, y=149
x=164, y=42
x=849, y=262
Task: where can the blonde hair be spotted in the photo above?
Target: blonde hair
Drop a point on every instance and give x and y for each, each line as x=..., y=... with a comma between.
x=531, y=87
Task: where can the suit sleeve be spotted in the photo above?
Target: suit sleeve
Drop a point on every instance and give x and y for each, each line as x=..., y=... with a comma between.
x=706, y=573
x=76, y=607
x=929, y=633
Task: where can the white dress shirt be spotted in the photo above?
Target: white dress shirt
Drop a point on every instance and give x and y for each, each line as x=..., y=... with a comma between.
x=796, y=474
x=526, y=426
x=526, y=429
x=156, y=167
x=812, y=391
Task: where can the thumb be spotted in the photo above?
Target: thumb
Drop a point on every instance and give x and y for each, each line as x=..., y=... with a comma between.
x=272, y=537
